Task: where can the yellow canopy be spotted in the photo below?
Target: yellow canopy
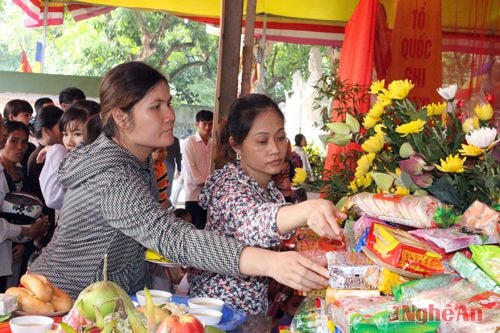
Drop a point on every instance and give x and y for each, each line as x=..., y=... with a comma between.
x=457, y=15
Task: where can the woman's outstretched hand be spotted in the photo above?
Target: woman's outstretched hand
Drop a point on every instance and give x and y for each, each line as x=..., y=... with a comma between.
x=323, y=217
x=289, y=268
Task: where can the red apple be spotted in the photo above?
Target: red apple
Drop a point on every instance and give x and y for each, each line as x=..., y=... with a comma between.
x=183, y=324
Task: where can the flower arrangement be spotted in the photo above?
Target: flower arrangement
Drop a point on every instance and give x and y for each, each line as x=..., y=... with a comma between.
x=433, y=149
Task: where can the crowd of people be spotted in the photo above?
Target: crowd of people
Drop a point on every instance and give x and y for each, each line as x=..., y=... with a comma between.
x=103, y=173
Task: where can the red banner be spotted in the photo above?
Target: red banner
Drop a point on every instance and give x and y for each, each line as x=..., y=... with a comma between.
x=416, y=48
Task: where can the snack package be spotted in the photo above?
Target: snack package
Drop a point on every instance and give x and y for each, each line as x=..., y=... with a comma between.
x=470, y=271
x=453, y=238
x=351, y=270
x=480, y=216
x=333, y=294
x=488, y=258
x=388, y=280
x=380, y=314
x=400, y=252
x=405, y=291
x=312, y=317
x=411, y=210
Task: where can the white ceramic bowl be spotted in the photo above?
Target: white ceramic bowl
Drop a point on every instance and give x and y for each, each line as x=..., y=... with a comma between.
x=206, y=316
x=159, y=297
x=206, y=303
x=31, y=324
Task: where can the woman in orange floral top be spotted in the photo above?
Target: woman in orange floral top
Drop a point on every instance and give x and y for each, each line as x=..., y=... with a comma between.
x=244, y=203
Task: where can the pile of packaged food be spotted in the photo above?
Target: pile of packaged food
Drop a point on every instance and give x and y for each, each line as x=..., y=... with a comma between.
x=406, y=264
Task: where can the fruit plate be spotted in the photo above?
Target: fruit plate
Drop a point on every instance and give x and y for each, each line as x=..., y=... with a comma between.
x=231, y=317
x=50, y=314
x=163, y=263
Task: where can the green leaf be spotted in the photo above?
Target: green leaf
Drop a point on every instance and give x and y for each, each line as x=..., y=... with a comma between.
x=445, y=192
x=341, y=140
x=339, y=128
x=383, y=180
x=66, y=328
x=352, y=122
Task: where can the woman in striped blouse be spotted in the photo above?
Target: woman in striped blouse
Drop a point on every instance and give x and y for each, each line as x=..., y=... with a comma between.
x=111, y=204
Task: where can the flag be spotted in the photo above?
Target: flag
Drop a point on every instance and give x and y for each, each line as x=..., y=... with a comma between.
x=25, y=65
x=37, y=67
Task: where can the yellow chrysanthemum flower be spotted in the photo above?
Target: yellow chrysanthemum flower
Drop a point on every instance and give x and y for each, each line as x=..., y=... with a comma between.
x=470, y=124
x=400, y=89
x=364, y=181
x=370, y=122
x=352, y=186
x=376, y=111
x=452, y=164
x=401, y=190
x=435, y=109
x=470, y=150
x=300, y=177
x=384, y=98
x=364, y=164
x=412, y=127
x=484, y=111
x=374, y=143
x=377, y=87
x=379, y=129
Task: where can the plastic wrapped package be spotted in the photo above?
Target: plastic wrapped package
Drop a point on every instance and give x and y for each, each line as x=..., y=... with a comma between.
x=481, y=216
x=405, y=291
x=388, y=280
x=351, y=270
x=453, y=238
x=488, y=258
x=470, y=271
x=402, y=253
x=312, y=317
x=380, y=314
x=411, y=210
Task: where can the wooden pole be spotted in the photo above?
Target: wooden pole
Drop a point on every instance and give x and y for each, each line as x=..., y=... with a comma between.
x=246, y=76
x=229, y=61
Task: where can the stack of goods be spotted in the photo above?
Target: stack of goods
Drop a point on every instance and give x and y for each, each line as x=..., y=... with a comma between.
x=410, y=264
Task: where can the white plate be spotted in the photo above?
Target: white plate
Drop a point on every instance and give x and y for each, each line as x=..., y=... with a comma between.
x=163, y=263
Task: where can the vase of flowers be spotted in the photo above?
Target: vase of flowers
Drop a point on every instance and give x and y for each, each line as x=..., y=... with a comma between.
x=432, y=149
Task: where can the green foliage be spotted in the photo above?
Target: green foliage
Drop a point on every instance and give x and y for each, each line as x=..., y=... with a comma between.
x=316, y=160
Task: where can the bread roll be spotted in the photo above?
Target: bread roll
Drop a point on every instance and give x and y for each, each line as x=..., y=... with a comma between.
x=27, y=302
x=61, y=300
x=38, y=285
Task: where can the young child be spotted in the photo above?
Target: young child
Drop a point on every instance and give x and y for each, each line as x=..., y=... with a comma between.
x=72, y=126
x=159, y=155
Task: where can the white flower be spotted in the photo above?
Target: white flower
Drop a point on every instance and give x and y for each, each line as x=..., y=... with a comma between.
x=482, y=137
x=449, y=92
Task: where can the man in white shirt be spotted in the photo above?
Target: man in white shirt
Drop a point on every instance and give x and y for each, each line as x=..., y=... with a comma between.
x=196, y=164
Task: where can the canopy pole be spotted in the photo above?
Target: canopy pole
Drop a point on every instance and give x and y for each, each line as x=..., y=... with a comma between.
x=261, y=57
x=44, y=38
x=246, y=73
x=229, y=60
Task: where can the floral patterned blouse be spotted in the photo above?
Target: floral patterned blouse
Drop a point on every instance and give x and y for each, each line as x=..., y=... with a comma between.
x=238, y=207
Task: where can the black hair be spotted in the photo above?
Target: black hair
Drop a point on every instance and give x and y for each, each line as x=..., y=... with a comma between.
x=204, y=115
x=15, y=107
x=72, y=114
x=240, y=119
x=12, y=125
x=181, y=213
x=71, y=94
x=39, y=103
x=93, y=129
x=298, y=139
x=92, y=107
x=47, y=117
